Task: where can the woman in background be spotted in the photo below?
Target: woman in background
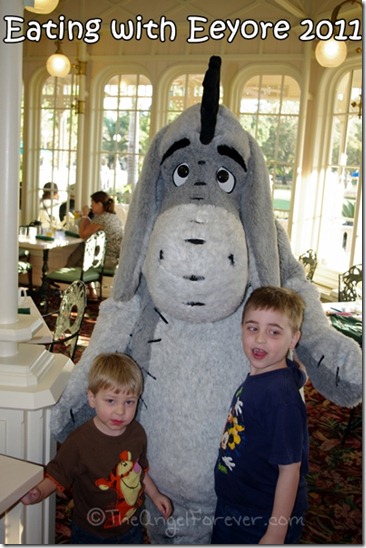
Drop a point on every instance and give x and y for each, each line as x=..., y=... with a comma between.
x=49, y=206
x=104, y=218
x=101, y=216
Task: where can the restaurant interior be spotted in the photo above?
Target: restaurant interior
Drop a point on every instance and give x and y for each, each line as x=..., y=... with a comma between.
x=85, y=87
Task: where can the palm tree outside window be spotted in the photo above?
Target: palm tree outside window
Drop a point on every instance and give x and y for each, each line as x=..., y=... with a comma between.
x=125, y=133
x=269, y=110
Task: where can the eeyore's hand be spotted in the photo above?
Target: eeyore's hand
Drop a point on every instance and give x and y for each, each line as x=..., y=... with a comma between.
x=333, y=361
x=334, y=364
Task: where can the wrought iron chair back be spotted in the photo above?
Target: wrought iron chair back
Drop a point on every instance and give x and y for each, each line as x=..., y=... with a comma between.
x=350, y=284
x=69, y=318
x=94, y=251
x=309, y=260
x=92, y=264
x=25, y=266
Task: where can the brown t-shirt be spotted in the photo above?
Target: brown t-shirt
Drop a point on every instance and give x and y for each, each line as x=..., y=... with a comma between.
x=105, y=474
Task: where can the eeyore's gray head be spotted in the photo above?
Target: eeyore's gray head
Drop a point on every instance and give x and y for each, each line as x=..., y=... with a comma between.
x=200, y=226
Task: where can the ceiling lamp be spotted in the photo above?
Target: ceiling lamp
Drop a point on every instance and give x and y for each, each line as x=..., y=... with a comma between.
x=331, y=53
x=41, y=6
x=58, y=64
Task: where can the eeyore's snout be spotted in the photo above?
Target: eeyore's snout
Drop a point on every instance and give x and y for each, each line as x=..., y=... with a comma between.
x=191, y=269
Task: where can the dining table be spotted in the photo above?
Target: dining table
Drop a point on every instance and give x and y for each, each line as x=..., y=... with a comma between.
x=16, y=478
x=46, y=244
x=346, y=317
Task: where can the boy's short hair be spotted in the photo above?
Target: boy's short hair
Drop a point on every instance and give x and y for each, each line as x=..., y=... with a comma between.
x=281, y=299
x=114, y=370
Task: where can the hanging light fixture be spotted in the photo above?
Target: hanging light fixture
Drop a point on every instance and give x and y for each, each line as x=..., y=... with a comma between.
x=331, y=53
x=41, y=6
x=58, y=64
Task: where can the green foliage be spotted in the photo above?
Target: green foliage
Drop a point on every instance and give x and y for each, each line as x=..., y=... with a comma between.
x=348, y=209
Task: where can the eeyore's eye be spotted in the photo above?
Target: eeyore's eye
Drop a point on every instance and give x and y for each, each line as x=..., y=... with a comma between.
x=180, y=174
x=225, y=179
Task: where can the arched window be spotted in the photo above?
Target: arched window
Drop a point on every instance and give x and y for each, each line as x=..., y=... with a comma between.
x=125, y=133
x=269, y=110
x=340, y=230
x=58, y=137
x=185, y=90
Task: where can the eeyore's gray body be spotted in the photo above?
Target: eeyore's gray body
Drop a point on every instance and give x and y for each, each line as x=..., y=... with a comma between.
x=199, y=237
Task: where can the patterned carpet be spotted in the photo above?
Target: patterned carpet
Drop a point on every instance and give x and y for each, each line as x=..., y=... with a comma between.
x=335, y=478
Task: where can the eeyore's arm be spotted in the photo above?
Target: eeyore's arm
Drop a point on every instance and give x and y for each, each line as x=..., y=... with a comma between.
x=115, y=323
x=333, y=361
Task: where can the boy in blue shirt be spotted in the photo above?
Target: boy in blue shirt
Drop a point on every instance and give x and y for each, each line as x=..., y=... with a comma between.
x=263, y=456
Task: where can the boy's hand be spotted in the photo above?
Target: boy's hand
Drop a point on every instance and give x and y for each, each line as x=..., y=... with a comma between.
x=39, y=492
x=163, y=504
x=32, y=497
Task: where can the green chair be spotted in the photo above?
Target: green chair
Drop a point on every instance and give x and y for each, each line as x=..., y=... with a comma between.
x=309, y=260
x=69, y=319
x=25, y=266
x=109, y=272
x=92, y=266
x=350, y=284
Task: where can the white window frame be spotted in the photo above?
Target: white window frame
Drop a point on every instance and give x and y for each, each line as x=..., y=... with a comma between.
x=325, y=276
x=237, y=88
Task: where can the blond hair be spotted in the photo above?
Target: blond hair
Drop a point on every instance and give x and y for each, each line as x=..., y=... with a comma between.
x=117, y=371
x=280, y=299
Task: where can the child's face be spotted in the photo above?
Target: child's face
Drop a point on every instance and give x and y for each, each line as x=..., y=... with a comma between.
x=267, y=337
x=114, y=411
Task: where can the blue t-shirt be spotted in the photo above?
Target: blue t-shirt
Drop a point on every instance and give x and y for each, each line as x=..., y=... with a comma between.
x=266, y=427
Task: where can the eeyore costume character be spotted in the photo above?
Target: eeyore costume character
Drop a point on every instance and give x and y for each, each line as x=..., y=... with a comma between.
x=199, y=237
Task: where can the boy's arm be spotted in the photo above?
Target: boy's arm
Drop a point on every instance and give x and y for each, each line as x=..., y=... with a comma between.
x=162, y=503
x=284, y=500
x=40, y=492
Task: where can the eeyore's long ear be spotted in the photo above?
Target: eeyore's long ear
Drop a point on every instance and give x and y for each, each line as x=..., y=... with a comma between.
x=256, y=212
x=141, y=217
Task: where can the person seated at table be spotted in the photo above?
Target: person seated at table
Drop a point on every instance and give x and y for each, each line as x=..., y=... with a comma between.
x=63, y=213
x=49, y=206
x=101, y=216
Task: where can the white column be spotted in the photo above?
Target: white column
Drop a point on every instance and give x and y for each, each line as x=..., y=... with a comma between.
x=10, y=101
x=80, y=200
x=31, y=378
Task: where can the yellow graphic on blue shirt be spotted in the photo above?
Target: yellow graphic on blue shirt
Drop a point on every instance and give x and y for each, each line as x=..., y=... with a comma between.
x=233, y=435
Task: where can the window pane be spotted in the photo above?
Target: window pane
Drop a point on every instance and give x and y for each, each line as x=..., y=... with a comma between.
x=58, y=136
x=125, y=135
x=339, y=244
x=185, y=90
x=269, y=110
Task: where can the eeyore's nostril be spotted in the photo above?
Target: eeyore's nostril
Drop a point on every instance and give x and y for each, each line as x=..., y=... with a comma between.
x=231, y=259
x=195, y=241
x=161, y=255
x=194, y=278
